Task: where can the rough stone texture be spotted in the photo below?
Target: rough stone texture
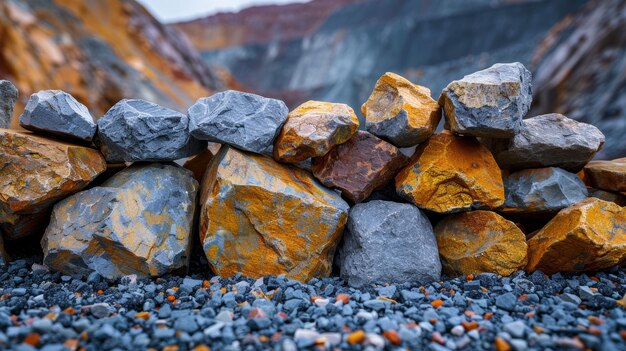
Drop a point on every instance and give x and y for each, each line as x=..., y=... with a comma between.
x=260, y=217
x=542, y=190
x=246, y=121
x=312, y=129
x=450, y=173
x=480, y=242
x=488, y=103
x=548, y=140
x=4, y=257
x=359, y=166
x=401, y=112
x=8, y=96
x=198, y=163
x=138, y=130
x=607, y=175
x=619, y=199
x=58, y=113
x=20, y=226
x=588, y=236
x=138, y=222
x=388, y=242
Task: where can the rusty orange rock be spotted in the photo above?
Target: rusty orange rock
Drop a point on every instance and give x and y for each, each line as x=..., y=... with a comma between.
x=260, y=217
x=607, y=175
x=449, y=174
x=480, y=242
x=312, y=129
x=198, y=163
x=588, y=236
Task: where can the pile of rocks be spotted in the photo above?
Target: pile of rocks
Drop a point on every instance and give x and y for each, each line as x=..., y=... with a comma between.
x=275, y=191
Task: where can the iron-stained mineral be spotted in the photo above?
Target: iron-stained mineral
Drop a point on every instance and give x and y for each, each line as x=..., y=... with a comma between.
x=607, y=175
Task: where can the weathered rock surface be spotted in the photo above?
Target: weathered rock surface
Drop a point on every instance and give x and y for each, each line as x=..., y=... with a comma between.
x=138, y=130
x=312, y=129
x=619, y=199
x=480, y=242
x=4, y=257
x=449, y=174
x=8, y=96
x=260, y=217
x=58, y=113
x=359, y=166
x=401, y=112
x=138, y=222
x=551, y=140
x=388, y=242
x=488, y=103
x=23, y=225
x=588, y=236
x=246, y=121
x=198, y=163
x=607, y=175
x=547, y=189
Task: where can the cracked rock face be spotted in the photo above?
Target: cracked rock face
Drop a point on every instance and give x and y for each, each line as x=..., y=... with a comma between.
x=138, y=222
x=260, y=217
x=58, y=113
x=607, y=175
x=138, y=130
x=488, y=103
x=246, y=121
x=8, y=96
x=388, y=242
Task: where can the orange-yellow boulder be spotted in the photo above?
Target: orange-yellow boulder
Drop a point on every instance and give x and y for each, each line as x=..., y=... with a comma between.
x=480, y=242
x=449, y=174
x=588, y=236
x=607, y=175
x=260, y=217
x=312, y=129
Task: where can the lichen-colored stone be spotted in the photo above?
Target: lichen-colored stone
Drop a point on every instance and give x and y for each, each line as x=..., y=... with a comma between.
x=260, y=217
x=401, y=112
x=588, y=236
x=312, y=129
x=480, y=242
x=607, y=175
x=449, y=174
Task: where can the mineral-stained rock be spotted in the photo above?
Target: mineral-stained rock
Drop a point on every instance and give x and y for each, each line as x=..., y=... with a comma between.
x=312, y=129
x=547, y=189
x=359, y=166
x=138, y=222
x=261, y=217
x=607, y=175
x=488, y=103
x=480, y=242
x=619, y=199
x=388, y=242
x=58, y=113
x=588, y=236
x=138, y=130
x=450, y=173
x=198, y=163
x=401, y=112
x=551, y=140
x=8, y=95
x=246, y=121
x=19, y=226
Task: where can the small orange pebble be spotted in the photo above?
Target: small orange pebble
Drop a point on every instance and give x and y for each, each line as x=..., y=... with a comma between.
x=201, y=348
x=382, y=298
x=69, y=310
x=171, y=298
x=223, y=290
x=469, y=313
x=313, y=298
x=501, y=344
x=84, y=335
x=522, y=298
x=52, y=316
x=100, y=292
x=436, y=337
x=595, y=290
x=77, y=294
x=143, y=315
x=487, y=316
x=158, y=280
x=175, y=288
x=437, y=303
x=469, y=277
x=432, y=320
x=426, y=293
x=484, y=290
x=393, y=337
x=469, y=325
x=595, y=279
x=422, y=288
x=537, y=329
x=357, y=337
x=623, y=334
x=321, y=340
x=206, y=284
x=71, y=344
x=32, y=339
x=452, y=292
x=594, y=331
x=345, y=298
x=411, y=325
x=263, y=338
x=345, y=328
x=277, y=336
x=531, y=314
x=595, y=320
x=170, y=348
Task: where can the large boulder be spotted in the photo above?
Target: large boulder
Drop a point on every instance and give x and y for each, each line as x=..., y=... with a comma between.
x=401, y=112
x=607, y=175
x=260, y=217
x=137, y=222
x=488, y=103
x=388, y=242
x=449, y=174
x=138, y=130
x=360, y=166
x=588, y=236
x=551, y=140
x=312, y=129
x=56, y=112
x=480, y=242
x=8, y=96
x=246, y=121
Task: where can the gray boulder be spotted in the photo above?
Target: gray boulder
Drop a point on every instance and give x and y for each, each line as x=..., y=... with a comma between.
x=8, y=96
x=488, y=103
x=58, y=113
x=138, y=130
x=246, y=121
x=388, y=242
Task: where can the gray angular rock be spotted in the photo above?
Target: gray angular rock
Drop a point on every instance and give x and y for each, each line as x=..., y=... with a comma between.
x=138, y=222
x=138, y=130
x=547, y=189
x=551, y=140
x=488, y=103
x=388, y=242
x=246, y=121
x=8, y=96
x=58, y=113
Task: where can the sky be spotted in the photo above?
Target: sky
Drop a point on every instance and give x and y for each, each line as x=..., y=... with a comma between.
x=178, y=10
